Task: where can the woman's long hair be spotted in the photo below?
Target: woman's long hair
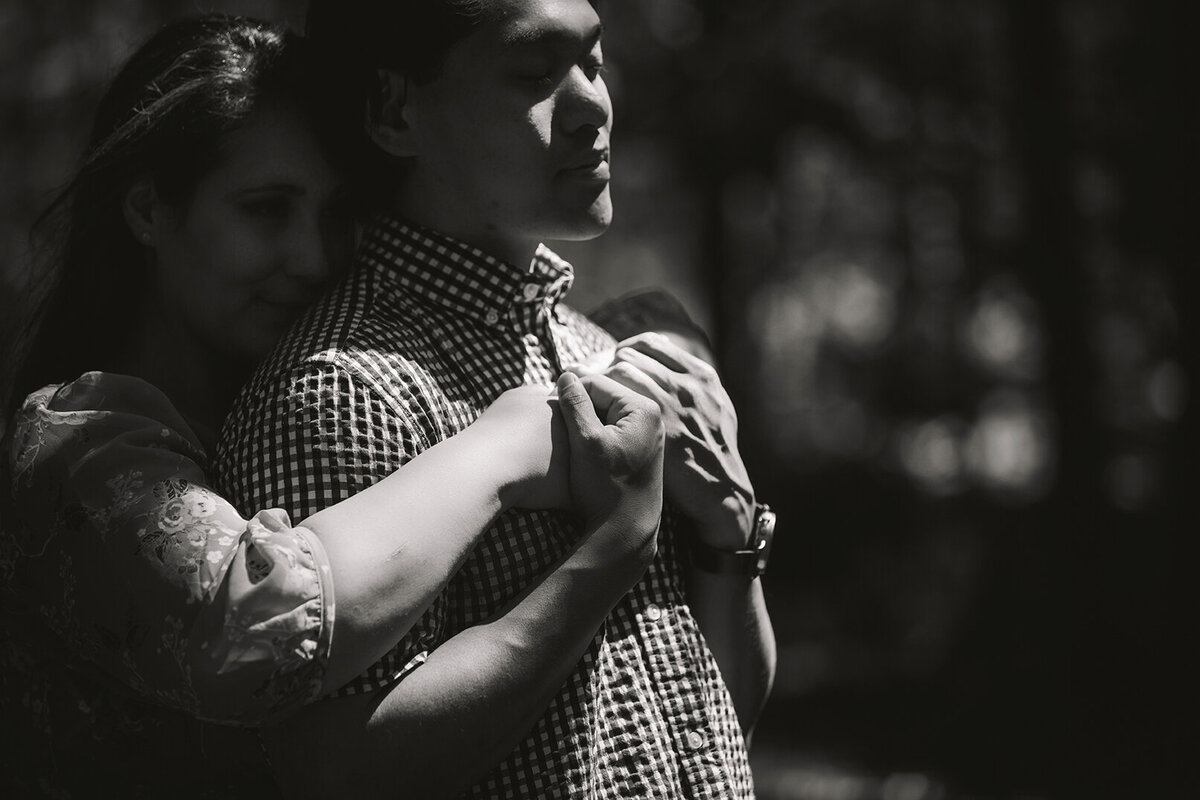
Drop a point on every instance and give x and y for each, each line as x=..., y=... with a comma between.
x=164, y=115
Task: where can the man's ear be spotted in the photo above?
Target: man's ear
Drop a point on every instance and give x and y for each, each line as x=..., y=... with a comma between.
x=141, y=209
x=387, y=116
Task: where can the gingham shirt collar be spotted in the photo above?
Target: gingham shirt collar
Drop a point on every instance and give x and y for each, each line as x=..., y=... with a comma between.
x=445, y=272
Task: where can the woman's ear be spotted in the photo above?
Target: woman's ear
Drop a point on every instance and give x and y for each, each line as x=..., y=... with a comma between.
x=387, y=116
x=140, y=207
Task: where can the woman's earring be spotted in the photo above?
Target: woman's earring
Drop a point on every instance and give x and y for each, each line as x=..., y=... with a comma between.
x=146, y=237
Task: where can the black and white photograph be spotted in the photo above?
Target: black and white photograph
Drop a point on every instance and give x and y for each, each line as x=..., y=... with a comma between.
x=597, y=400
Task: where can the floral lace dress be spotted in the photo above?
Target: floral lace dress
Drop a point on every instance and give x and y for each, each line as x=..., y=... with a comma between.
x=140, y=607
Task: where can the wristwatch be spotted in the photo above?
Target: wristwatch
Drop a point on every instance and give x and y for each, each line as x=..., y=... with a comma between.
x=752, y=562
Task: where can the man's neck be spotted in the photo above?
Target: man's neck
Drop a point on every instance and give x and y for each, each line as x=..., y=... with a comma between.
x=514, y=249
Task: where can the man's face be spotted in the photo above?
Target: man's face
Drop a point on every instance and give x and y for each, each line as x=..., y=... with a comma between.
x=512, y=137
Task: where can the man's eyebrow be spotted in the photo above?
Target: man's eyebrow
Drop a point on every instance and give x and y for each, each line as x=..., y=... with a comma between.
x=533, y=36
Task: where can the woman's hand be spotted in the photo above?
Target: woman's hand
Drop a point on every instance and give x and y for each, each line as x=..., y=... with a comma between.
x=616, y=463
x=534, y=443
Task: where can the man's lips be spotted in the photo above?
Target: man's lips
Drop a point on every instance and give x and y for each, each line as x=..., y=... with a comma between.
x=594, y=161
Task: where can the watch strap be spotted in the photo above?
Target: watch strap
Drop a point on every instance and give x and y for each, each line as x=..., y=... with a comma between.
x=751, y=562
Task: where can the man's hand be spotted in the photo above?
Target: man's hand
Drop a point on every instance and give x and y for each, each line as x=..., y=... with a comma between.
x=653, y=310
x=703, y=473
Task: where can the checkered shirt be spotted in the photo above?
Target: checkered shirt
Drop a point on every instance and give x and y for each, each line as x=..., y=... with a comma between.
x=419, y=339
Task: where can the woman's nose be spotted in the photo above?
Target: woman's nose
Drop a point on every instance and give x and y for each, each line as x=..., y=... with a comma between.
x=308, y=258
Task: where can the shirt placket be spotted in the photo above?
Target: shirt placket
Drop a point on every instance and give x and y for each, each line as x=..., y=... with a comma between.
x=531, y=316
x=679, y=686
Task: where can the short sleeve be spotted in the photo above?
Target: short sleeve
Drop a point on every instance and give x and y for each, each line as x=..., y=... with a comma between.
x=307, y=438
x=117, y=541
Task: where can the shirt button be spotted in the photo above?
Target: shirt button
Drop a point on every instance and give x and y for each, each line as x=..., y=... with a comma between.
x=695, y=740
x=531, y=290
x=491, y=318
x=653, y=612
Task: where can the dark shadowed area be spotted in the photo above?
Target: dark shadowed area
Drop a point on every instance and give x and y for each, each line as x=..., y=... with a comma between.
x=941, y=250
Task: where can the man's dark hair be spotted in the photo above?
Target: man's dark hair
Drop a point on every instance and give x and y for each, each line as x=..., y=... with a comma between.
x=408, y=36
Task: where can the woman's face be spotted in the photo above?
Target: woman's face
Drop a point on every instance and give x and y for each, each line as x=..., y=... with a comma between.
x=256, y=243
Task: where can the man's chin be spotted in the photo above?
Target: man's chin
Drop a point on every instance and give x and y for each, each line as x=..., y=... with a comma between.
x=595, y=221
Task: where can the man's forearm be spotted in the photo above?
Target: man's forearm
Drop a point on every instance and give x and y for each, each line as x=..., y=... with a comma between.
x=730, y=609
x=442, y=728
x=732, y=614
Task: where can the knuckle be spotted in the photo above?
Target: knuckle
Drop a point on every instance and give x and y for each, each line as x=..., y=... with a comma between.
x=656, y=433
x=651, y=419
x=623, y=369
x=706, y=372
x=658, y=423
x=576, y=400
x=645, y=405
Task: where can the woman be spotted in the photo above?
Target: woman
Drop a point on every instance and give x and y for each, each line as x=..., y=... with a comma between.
x=209, y=210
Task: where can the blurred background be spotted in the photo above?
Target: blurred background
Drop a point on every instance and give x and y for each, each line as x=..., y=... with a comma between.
x=940, y=249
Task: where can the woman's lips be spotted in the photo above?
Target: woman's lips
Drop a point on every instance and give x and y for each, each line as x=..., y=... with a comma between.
x=291, y=305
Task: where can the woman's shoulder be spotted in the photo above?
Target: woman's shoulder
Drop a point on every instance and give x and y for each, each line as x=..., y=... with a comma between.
x=61, y=425
x=98, y=391
x=108, y=397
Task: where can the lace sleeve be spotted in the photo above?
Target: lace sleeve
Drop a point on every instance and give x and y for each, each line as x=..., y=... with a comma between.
x=117, y=541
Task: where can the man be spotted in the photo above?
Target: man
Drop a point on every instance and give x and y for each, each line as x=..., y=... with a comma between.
x=535, y=674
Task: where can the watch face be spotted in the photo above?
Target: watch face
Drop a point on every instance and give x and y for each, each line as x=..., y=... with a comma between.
x=764, y=536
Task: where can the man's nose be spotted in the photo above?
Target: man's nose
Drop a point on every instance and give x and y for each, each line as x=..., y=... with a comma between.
x=585, y=101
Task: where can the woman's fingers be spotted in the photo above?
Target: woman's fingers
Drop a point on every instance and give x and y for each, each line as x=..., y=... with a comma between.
x=611, y=399
x=593, y=364
x=578, y=412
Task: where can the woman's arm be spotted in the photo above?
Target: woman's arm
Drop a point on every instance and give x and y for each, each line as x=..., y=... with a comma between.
x=162, y=583
x=394, y=545
x=441, y=729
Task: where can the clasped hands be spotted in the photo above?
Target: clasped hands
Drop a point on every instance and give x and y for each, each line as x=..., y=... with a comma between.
x=703, y=472
x=651, y=420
